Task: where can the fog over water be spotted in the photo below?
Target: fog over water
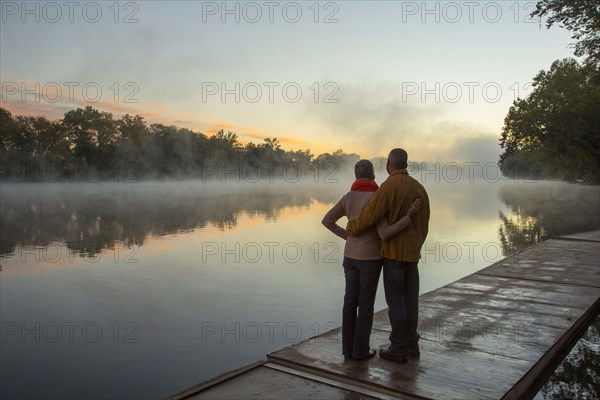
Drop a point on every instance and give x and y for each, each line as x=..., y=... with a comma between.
x=138, y=290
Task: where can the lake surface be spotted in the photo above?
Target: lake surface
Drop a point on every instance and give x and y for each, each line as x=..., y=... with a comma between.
x=138, y=290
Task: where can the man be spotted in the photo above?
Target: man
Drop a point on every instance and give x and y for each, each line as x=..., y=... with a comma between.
x=401, y=253
x=362, y=261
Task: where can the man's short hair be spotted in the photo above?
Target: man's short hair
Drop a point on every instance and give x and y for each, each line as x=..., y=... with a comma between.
x=363, y=169
x=398, y=159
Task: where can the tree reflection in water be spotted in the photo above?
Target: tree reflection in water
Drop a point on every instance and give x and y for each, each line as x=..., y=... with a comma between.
x=92, y=217
x=578, y=376
x=543, y=210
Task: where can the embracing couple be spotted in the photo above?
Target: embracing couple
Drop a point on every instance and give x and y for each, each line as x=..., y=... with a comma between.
x=387, y=227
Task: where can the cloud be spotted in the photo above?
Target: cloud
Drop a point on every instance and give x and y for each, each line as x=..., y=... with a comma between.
x=210, y=125
x=33, y=98
x=372, y=119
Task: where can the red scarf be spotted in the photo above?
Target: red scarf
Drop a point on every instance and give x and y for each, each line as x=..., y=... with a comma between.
x=364, y=185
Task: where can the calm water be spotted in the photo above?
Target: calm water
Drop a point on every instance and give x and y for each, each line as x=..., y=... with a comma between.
x=140, y=290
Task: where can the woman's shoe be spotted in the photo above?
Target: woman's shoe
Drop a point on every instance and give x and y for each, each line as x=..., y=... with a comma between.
x=371, y=354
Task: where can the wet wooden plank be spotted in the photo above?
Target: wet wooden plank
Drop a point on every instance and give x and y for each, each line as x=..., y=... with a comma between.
x=267, y=383
x=593, y=236
x=560, y=261
x=187, y=392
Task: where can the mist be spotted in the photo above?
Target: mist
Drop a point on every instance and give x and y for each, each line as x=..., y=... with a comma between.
x=376, y=118
x=81, y=213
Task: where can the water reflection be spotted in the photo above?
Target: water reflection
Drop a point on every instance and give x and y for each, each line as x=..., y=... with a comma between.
x=543, y=210
x=89, y=218
x=578, y=376
x=176, y=289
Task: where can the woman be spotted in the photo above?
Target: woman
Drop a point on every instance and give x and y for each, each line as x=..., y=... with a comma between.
x=362, y=261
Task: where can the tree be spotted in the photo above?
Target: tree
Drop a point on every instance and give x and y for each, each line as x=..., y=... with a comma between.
x=225, y=148
x=335, y=163
x=93, y=135
x=555, y=131
x=302, y=158
x=31, y=146
x=133, y=132
x=6, y=128
x=581, y=17
x=133, y=138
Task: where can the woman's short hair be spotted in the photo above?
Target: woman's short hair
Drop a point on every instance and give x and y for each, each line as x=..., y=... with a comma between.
x=364, y=169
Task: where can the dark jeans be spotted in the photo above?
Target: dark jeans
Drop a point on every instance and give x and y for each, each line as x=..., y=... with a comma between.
x=401, y=284
x=362, y=277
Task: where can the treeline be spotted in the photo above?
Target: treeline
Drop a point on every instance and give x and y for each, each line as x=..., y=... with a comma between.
x=554, y=133
x=88, y=144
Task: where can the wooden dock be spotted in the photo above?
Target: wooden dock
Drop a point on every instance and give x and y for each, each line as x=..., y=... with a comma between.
x=496, y=334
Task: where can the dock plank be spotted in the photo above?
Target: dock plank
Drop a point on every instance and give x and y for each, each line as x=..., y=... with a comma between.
x=270, y=384
x=593, y=236
x=559, y=261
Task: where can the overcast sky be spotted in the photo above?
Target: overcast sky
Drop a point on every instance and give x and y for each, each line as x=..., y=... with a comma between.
x=436, y=78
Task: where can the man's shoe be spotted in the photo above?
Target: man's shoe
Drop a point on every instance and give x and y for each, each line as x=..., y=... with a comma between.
x=371, y=354
x=388, y=354
x=413, y=350
x=414, y=354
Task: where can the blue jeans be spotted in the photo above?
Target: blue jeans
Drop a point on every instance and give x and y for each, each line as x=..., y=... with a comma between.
x=401, y=284
x=362, y=277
